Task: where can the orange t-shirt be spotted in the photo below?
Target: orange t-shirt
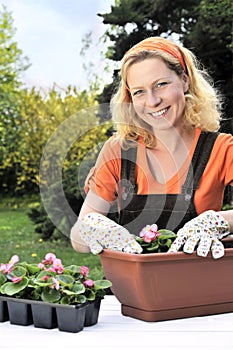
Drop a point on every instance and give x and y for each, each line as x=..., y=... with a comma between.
x=103, y=179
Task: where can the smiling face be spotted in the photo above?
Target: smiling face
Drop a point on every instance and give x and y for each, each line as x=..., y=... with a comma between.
x=157, y=93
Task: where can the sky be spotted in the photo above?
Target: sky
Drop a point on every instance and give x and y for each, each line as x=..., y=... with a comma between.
x=50, y=34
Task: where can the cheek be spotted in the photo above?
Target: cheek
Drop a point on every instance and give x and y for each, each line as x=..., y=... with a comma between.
x=177, y=96
x=137, y=107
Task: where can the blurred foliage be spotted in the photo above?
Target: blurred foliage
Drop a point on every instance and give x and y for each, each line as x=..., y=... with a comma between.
x=80, y=159
x=12, y=64
x=48, y=138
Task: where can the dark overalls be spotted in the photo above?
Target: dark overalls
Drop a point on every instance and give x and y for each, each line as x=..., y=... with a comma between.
x=169, y=211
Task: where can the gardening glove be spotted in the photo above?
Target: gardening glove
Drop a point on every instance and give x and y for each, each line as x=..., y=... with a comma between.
x=204, y=230
x=99, y=232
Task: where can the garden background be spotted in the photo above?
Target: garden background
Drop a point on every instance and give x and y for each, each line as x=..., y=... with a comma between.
x=29, y=118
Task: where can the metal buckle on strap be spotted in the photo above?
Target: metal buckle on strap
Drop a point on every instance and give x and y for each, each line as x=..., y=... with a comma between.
x=128, y=188
x=188, y=193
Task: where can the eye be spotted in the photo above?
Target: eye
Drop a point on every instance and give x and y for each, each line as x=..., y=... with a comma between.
x=138, y=92
x=161, y=84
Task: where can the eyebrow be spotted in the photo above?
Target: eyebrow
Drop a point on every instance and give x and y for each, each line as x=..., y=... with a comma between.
x=154, y=82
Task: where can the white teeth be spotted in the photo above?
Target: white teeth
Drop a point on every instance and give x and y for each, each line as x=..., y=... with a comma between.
x=158, y=114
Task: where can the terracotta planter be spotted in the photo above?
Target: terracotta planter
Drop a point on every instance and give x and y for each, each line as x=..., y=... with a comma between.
x=162, y=286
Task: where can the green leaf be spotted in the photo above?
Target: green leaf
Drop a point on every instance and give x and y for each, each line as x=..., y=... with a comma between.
x=102, y=284
x=50, y=295
x=11, y=288
x=19, y=271
x=32, y=268
x=65, y=300
x=73, y=268
x=78, y=288
x=39, y=279
x=65, y=280
x=165, y=232
x=3, y=278
x=80, y=299
x=91, y=295
x=153, y=248
x=68, y=292
x=45, y=273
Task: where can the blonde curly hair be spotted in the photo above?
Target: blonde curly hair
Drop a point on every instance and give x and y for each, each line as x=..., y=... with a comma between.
x=203, y=101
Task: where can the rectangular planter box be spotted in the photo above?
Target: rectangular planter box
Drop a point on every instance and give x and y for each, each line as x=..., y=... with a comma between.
x=162, y=286
x=68, y=318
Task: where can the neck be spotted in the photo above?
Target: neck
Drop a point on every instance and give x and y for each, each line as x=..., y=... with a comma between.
x=174, y=139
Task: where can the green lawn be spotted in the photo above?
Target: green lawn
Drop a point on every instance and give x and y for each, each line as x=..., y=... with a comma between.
x=17, y=236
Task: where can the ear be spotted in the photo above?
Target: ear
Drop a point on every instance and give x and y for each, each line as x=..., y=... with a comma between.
x=185, y=82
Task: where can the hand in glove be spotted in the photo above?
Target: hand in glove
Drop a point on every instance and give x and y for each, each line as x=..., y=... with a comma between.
x=99, y=232
x=204, y=230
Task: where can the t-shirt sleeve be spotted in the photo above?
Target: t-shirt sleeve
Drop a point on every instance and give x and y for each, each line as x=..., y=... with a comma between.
x=104, y=177
x=225, y=154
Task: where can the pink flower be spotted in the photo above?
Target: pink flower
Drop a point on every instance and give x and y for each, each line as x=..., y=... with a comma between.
x=51, y=263
x=84, y=271
x=50, y=257
x=149, y=233
x=89, y=283
x=41, y=265
x=56, y=283
x=57, y=266
x=7, y=268
x=16, y=279
x=45, y=278
x=14, y=259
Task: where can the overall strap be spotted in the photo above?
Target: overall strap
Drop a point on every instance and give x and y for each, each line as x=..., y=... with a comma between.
x=199, y=161
x=128, y=166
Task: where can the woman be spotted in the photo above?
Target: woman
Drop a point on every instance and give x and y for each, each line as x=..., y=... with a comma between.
x=166, y=164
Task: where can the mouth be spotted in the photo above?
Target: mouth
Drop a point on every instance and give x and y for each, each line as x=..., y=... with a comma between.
x=160, y=113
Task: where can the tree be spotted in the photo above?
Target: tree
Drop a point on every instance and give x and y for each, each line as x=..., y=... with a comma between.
x=211, y=40
x=12, y=63
x=134, y=20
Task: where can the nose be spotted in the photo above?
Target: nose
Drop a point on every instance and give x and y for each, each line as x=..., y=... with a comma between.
x=152, y=99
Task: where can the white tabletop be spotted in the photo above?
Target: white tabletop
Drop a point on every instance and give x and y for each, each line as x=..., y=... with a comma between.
x=115, y=331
